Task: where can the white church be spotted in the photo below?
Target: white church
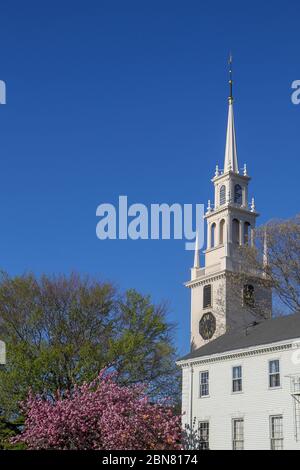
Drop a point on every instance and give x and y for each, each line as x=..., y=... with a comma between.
x=241, y=380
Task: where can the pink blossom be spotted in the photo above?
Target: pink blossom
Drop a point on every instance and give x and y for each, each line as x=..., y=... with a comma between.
x=101, y=415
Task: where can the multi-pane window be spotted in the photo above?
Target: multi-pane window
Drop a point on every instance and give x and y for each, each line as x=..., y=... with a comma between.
x=237, y=384
x=203, y=435
x=222, y=195
x=274, y=374
x=238, y=434
x=207, y=296
x=204, y=383
x=276, y=431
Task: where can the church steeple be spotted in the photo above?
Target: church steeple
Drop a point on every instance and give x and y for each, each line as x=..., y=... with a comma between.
x=217, y=305
x=231, y=160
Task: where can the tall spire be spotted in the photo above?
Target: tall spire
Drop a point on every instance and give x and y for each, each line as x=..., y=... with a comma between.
x=230, y=78
x=231, y=161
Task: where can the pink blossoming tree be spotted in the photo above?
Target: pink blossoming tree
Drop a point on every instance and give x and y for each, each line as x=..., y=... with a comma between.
x=101, y=415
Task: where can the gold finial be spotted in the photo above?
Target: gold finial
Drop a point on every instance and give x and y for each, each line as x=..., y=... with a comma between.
x=230, y=78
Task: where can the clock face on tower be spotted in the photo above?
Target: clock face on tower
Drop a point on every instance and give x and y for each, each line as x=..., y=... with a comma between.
x=207, y=326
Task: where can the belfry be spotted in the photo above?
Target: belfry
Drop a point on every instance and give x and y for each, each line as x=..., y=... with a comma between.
x=230, y=221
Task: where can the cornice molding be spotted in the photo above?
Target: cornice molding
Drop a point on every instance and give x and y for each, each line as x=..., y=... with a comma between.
x=239, y=354
x=231, y=208
x=230, y=174
x=208, y=278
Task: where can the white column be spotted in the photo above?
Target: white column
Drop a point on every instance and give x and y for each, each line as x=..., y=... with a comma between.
x=229, y=230
x=208, y=235
x=241, y=232
x=216, y=195
x=191, y=397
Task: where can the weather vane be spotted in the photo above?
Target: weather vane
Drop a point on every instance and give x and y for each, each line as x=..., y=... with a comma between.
x=2, y=92
x=230, y=78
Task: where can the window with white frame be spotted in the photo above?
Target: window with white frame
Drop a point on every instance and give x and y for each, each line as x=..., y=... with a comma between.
x=203, y=435
x=237, y=382
x=274, y=373
x=238, y=434
x=204, y=383
x=276, y=431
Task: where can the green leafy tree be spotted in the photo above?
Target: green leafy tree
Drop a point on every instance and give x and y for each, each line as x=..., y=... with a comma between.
x=141, y=346
x=62, y=330
x=8, y=430
x=274, y=259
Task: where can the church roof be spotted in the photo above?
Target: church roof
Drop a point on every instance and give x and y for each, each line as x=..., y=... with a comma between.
x=268, y=331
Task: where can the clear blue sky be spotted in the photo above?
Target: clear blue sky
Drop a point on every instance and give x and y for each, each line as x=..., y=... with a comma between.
x=114, y=97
